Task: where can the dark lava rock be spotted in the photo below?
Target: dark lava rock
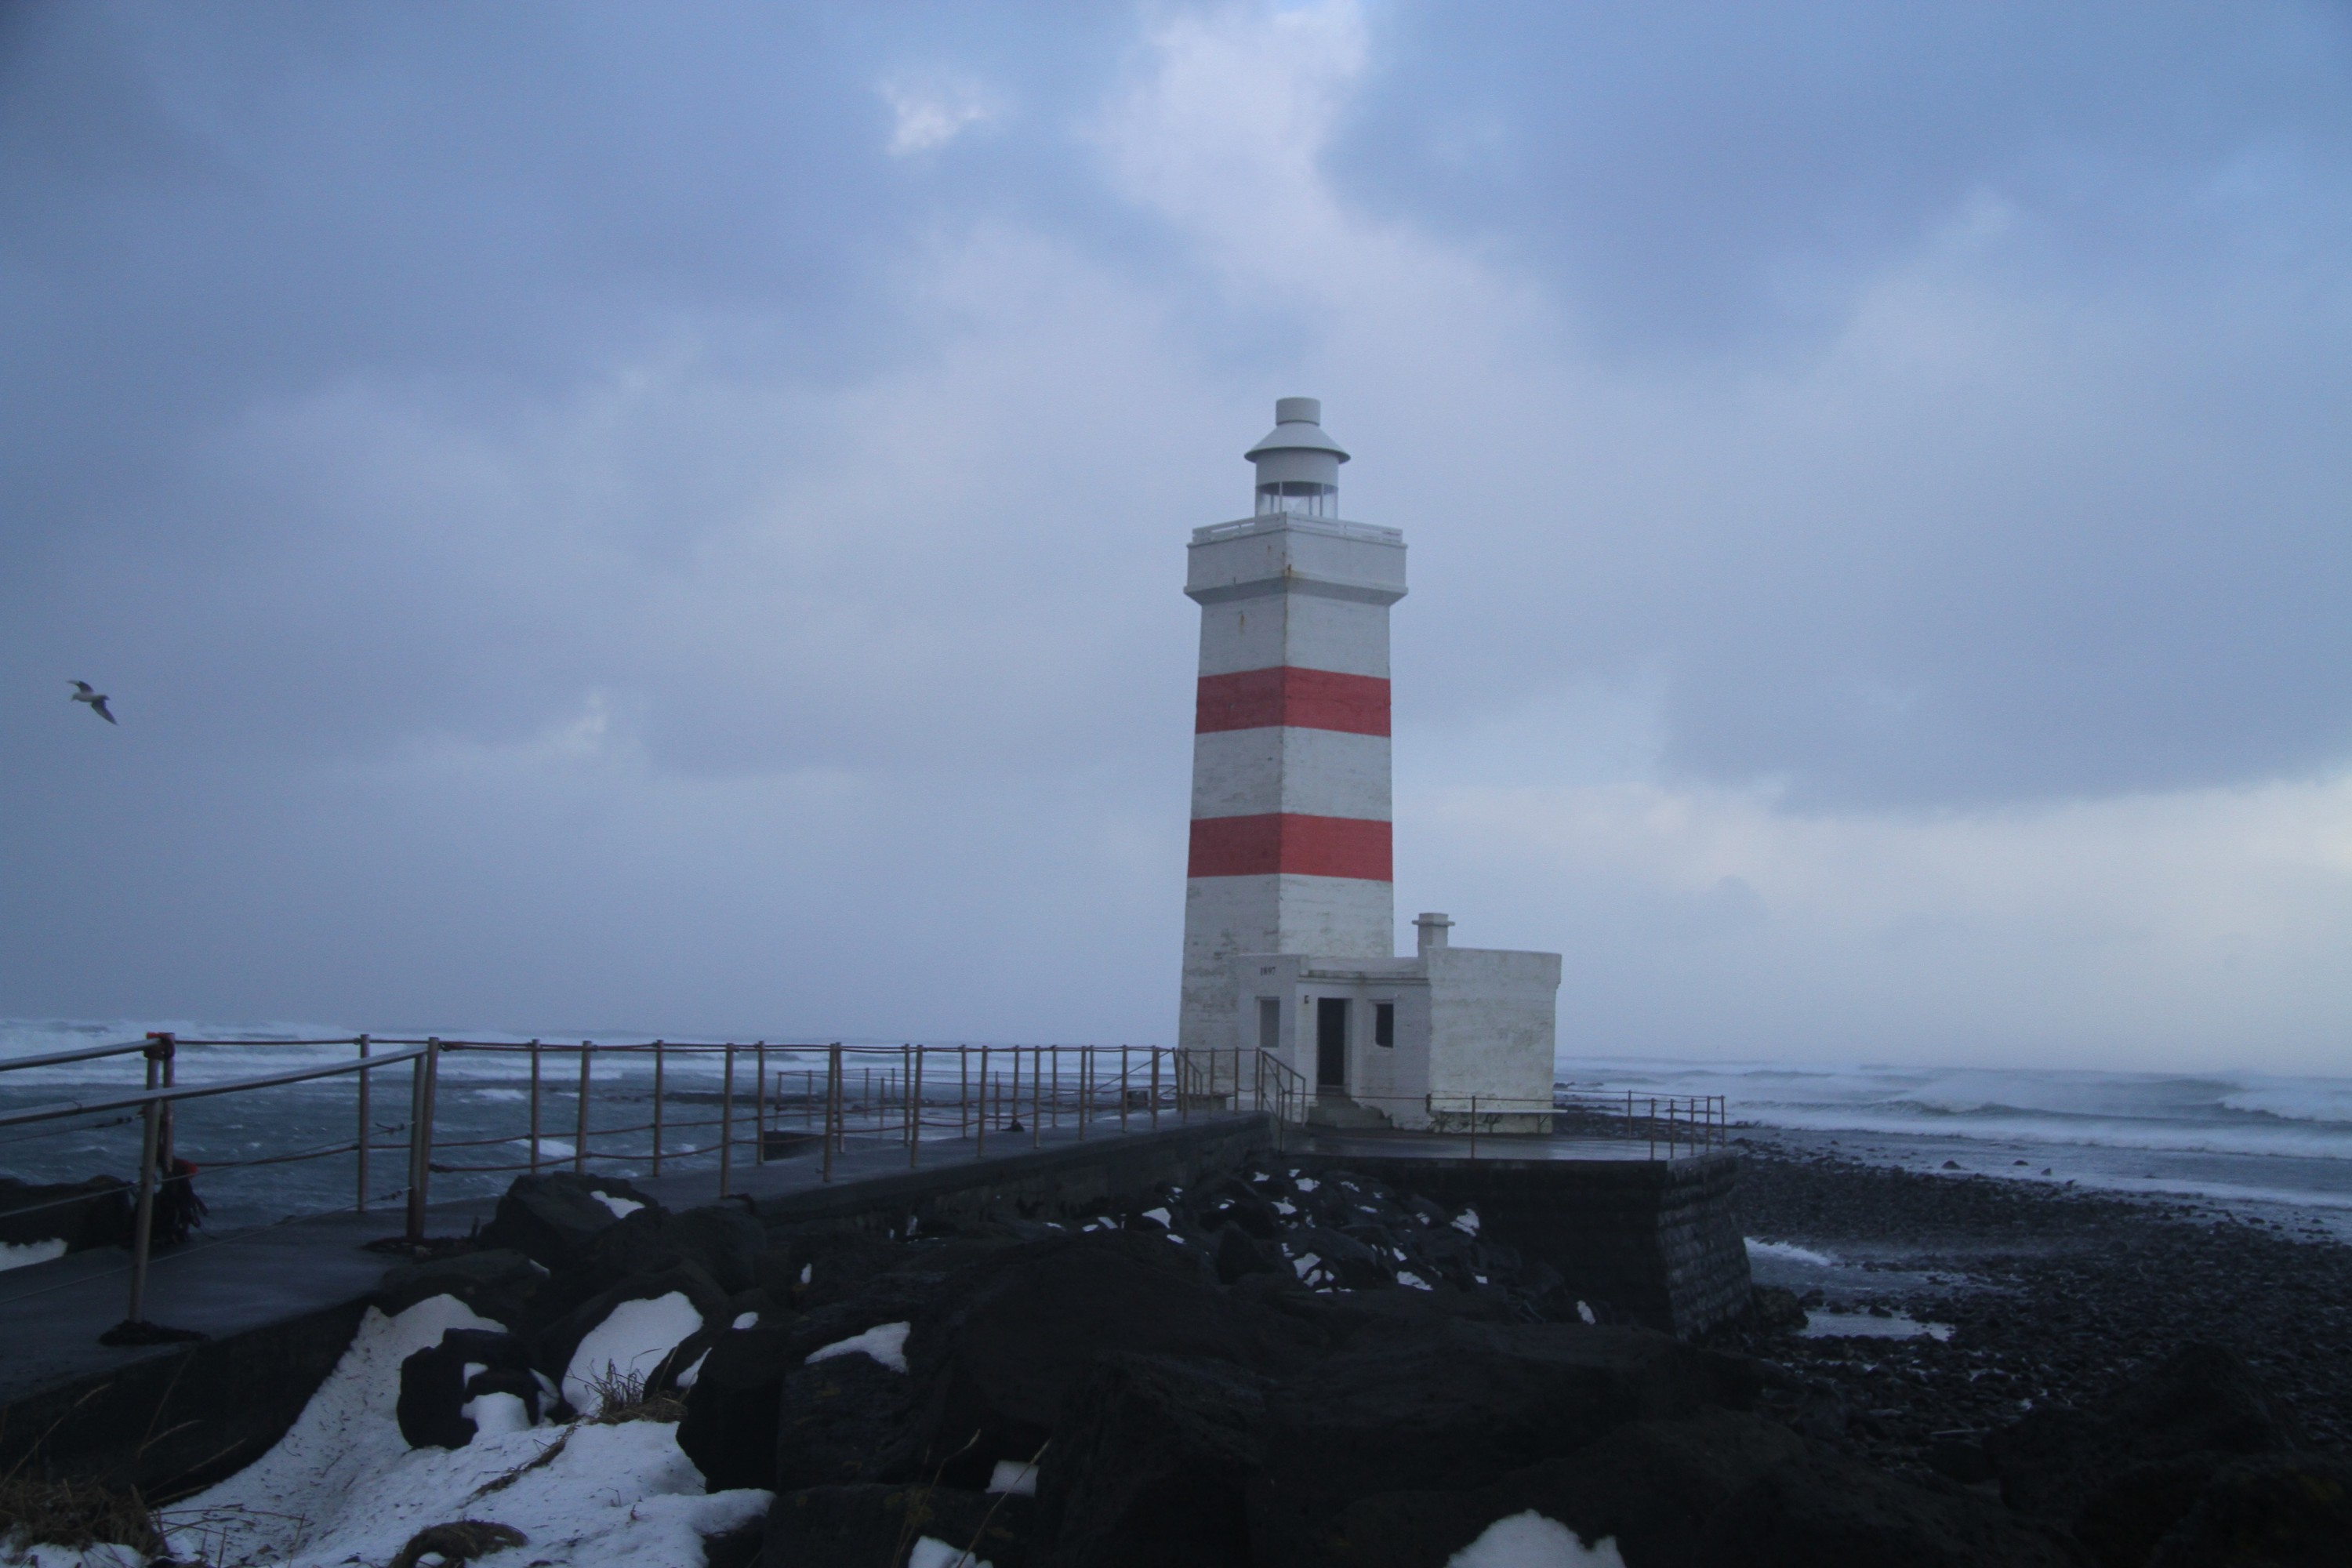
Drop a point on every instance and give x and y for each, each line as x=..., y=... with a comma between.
x=1237, y=1255
x=435, y=1386
x=82, y=1214
x=729, y=1427
x=2121, y=1472
x=1776, y=1310
x=1340, y=1259
x=1016, y=1330
x=1444, y=1403
x=1149, y=1464
x=496, y=1284
x=2282, y=1511
x=720, y=1239
x=874, y=1526
x=842, y=1421
x=551, y=1219
x=1719, y=1490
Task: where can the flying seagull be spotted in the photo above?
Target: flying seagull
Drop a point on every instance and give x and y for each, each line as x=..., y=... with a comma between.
x=97, y=700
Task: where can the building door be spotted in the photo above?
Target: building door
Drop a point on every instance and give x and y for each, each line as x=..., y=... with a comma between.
x=1269, y=1023
x=1331, y=1042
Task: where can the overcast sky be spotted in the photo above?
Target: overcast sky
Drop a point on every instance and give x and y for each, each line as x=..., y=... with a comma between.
x=602, y=518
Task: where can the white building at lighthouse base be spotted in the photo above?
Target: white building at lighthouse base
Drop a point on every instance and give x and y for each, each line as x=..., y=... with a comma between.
x=1450, y=1039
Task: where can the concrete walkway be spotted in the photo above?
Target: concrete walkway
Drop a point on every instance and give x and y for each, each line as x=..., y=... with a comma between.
x=241, y=1282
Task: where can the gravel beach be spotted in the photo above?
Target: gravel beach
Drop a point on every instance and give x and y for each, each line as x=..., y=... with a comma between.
x=2052, y=1296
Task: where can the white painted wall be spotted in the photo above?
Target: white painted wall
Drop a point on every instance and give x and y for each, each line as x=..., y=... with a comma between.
x=1226, y=918
x=1310, y=631
x=1322, y=773
x=1492, y=1020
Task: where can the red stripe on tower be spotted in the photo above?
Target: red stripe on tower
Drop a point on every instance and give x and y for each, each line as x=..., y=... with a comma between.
x=1292, y=698
x=1287, y=842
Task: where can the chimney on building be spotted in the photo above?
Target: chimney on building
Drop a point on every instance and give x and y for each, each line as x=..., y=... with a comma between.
x=1433, y=929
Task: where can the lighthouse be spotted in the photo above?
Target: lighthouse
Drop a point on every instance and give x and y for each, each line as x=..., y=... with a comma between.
x=1290, y=901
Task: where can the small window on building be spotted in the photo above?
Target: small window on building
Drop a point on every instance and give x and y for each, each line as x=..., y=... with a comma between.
x=1384, y=1023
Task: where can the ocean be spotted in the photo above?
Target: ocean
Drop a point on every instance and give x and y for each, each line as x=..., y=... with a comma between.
x=2262, y=1145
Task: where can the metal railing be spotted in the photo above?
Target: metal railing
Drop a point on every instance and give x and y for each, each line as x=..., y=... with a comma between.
x=1245, y=1080
x=154, y=1104
x=862, y=1096
x=1676, y=1124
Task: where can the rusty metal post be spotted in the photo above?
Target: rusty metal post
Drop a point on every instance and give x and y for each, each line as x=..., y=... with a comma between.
x=832, y=1103
x=142, y=1224
x=418, y=1153
x=727, y=1120
x=580, y=1129
x=360, y=1206
x=657, y=1107
x=915, y=1110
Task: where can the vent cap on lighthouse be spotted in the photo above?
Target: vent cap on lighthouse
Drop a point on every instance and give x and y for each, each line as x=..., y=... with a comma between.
x=1298, y=464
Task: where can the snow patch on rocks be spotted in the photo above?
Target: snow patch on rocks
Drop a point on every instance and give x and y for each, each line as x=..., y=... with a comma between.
x=885, y=1343
x=630, y=1342
x=1532, y=1541
x=342, y=1485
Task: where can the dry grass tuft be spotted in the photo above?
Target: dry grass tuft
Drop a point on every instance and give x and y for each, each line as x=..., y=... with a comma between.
x=622, y=1396
x=75, y=1514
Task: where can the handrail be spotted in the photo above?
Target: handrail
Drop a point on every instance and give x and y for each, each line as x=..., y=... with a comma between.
x=908, y=1095
x=85, y=1053
x=51, y=1111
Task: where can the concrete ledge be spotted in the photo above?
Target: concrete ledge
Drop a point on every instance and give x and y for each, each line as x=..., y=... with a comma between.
x=1058, y=1182
x=1656, y=1242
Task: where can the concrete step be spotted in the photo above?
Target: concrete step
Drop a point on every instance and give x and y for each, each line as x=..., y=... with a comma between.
x=1332, y=1108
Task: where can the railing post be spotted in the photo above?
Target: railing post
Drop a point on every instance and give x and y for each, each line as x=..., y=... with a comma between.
x=832, y=1102
x=1086, y=1070
x=759, y=1104
x=1037, y=1096
x=534, y=1107
x=580, y=1130
x=142, y=1223
x=963, y=1092
x=1183, y=1098
x=417, y=1154
x=1473, y=1127
x=1122, y=1089
x=980, y=1117
x=1016, y=1088
x=1654, y=1127
x=1155, y=1089
x=915, y=1110
x=360, y=1206
x=727, y=1120
x=657, y=1111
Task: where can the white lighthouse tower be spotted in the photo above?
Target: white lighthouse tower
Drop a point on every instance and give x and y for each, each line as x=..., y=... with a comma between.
x=1290, y=905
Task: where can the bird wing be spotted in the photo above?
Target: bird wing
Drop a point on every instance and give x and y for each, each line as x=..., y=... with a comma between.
x=81, y=688
x=98, y=705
